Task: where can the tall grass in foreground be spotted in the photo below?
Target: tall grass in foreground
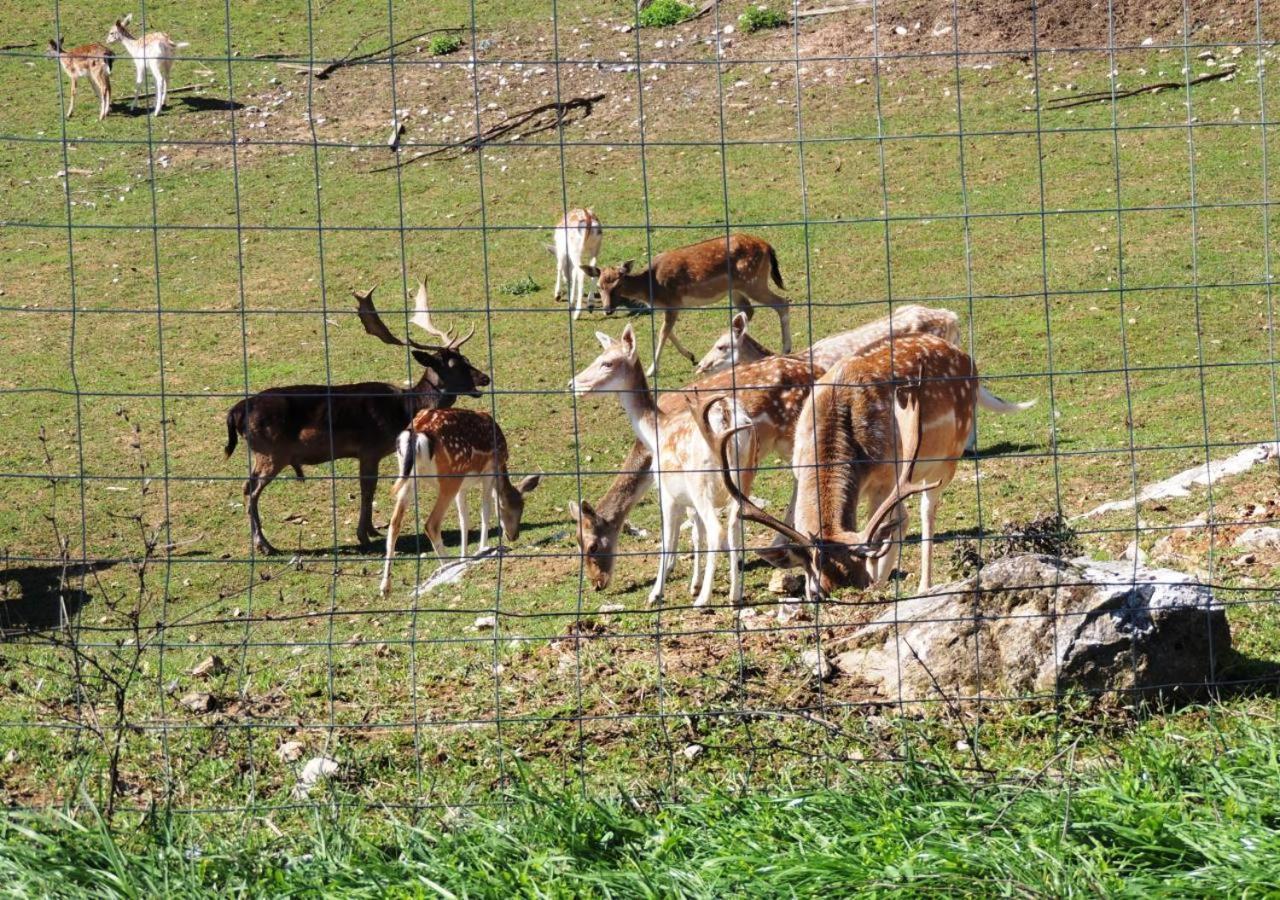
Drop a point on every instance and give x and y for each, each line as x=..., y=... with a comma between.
x=1164, y=816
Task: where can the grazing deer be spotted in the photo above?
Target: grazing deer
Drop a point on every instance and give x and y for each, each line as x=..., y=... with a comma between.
x=154, y=50
x=736, y=347
x=93, y=60
x=459, y=448
x=772, y=392
x=310, y=424
x=686, y=472
x=578, y=236
x=884, y=425
x=698, y=275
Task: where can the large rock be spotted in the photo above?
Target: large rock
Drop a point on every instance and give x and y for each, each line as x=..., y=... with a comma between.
x=1036, y=626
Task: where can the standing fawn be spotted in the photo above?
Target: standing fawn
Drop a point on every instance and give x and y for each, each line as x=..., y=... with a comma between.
x=578, y=236
x=698, y=275
x=772, y=392
x=686, y=472
x=93, y=60
x=309, y=424
x=154, y=51
x=882, y=426
x=459, y=448
x=737, y=348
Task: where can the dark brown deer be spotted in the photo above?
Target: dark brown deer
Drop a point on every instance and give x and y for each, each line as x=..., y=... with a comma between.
x=699, y=275
x=310, y=424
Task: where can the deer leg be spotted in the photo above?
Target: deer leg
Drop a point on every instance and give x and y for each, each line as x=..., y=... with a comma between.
x=138, y=65
x=393, y=531
x=365, y=532
x=72, y=104
x=699, y=543
x=262, y=475
x=883, y=567
x=668, y=545
x=488, y=489
x=561, y=265
x=464, y=524
x=928, y=516
x=742, y=303
x=448, y=489
x=714, y=534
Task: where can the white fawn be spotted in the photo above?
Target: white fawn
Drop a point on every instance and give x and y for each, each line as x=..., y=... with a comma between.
x=459, y=448
x=881, y=426
x=93, y=60
x=686, y=472
x=698, y=275
x=577, y=243
x=154, y=51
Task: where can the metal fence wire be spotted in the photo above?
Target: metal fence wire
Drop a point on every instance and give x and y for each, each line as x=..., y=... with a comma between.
x=1089, y=200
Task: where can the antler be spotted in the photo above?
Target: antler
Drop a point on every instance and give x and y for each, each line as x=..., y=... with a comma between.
x=906, y=414
x=374, y=325
x=719, y=445
x=422, y=318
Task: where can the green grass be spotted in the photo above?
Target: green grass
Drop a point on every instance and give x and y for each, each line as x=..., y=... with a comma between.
x=664, y=13
x=1166, y=817
x=444, y=44
x=759, y=18
x=409, y=708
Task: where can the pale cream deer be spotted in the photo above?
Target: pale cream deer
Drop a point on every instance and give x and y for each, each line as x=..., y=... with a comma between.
x=155, y=50
x=739, y=265
x=577, y=244
x=458, y=449
x=881, y=426
x=687, y=474
x=92, y=61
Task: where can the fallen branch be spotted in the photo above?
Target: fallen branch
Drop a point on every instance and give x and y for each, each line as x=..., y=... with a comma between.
x=494, y=132
x=173, y=90
x=382, y=54
x=17, y=47
x=1095, y=96
x=831, y=10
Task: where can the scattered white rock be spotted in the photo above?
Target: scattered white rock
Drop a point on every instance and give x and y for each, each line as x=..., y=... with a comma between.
x=693, y=751
x=612, y=607
x=316, y=770
x=290, y=751
x=484, y=623
x=818, y=665
x=213, y=665
x=1260, y=538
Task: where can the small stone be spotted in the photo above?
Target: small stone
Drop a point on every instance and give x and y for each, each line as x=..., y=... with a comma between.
x=199, y=702
x=1148, y=41
x=213, y=665
x=819, y=666
x=612, y=607
x=900, y=30
x=355, y=639
x=1247, y=559
x=693, y=751
x=11, y=757
x=290, y=751
x=790, y=584
x=486, y=622
x=1260, y=538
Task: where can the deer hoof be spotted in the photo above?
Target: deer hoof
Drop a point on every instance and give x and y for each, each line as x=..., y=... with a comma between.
x=264, y=547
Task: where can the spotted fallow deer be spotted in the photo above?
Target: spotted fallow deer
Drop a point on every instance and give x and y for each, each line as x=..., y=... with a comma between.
x=687, y=475
x=772, y=392
x=92, y=61
x=736, y=347
x=881, y=426
x=155, y=50
x=739, y=265
x=577, y=244
x=457, y=448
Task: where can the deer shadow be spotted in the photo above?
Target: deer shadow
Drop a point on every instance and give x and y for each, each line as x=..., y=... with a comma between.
x=38, y=597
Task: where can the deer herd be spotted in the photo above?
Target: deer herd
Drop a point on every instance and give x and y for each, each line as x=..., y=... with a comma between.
x=153, y=50
x=868, y=418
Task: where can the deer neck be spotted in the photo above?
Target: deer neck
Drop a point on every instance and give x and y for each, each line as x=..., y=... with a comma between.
x=628, y=486
x=641, y=286
x=828, y=473
x=640, y=408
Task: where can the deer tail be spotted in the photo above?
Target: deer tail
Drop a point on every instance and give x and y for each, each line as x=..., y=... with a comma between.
x=235, y=425
x=773, y=269
x=180, y=44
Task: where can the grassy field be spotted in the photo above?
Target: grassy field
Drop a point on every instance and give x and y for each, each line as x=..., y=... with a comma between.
x=155, y=270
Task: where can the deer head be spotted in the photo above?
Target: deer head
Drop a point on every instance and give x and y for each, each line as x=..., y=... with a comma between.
x=728, y=349
x=607, y=281
x=845, y=561
x=511, y=504
x=447, y=370
x=596, y=541
x=613, y=370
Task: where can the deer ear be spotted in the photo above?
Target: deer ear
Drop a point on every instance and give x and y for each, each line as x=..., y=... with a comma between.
x=592, y=271
x=128, y=17
x=739, y=325
x=626, y=266
x=528, y=483
x=605, y=341
x=575, y=512
x=629, y=340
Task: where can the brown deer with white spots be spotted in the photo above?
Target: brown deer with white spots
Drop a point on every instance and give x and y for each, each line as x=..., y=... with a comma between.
x=92, y=61
x=577, y=244
x=698, y=275
x=457, y=448
x=737, y=348
x=771, y=392
x=881, y=426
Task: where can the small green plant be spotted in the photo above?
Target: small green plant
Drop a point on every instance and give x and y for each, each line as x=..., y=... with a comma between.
x=520, y=287
x=444, y=44
x=760, y=18
x=661, y=13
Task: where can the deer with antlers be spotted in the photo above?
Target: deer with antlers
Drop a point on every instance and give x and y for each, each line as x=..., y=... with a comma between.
x=686, y=473
x=577, y=243
x=309, y=424
x=739, y=265
x=90, y=60
x=459, y=448
x=882, y=426
x=771, y=392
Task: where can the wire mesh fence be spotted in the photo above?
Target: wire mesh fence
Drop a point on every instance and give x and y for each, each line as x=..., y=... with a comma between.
x=1081, y=196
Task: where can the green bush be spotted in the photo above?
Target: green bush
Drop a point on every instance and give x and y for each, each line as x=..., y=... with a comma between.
x=661, y=13
x=444, y=44
x=758, y=18
x=520, y=287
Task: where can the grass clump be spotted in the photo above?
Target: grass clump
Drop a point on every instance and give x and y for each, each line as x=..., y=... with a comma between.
x=520, y=286
x=444, y=44
x=1050, y=534
x=760, y=18
x=661, y=13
